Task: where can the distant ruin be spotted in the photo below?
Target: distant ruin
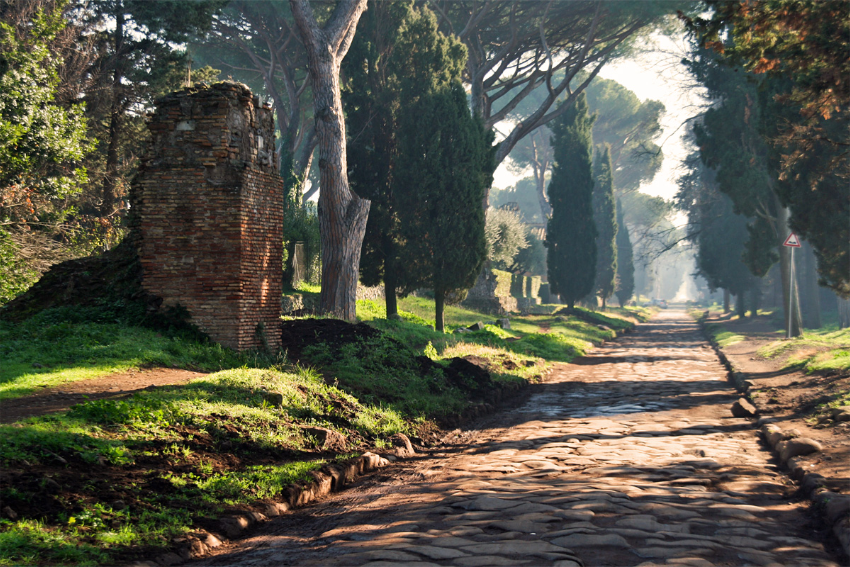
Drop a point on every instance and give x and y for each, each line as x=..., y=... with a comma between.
x=207, y=205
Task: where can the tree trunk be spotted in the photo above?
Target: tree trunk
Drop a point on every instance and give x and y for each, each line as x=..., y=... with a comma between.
x=571, y=303
x=390, y=287
x=342, y=214
x=740, y=305
x=439, y=306
x=727, y=300
x=755, y=300
x=790, y=303
x=811, y=291
x=110, y=179
x=843, y=313
x=603, y=303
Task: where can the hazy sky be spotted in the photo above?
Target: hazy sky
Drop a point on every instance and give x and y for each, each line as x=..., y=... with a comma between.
x=654, y=73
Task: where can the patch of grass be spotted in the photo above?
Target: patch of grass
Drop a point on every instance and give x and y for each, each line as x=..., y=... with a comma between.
x=174, y=436
x=824, y=350
x=723, y=337
x=382, y=370
x=63, y=345
x=30, y=542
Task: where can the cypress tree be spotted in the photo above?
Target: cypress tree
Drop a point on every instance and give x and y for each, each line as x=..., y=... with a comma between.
x=625, y=260
x=605, y=217
x=571, y=232
x=397, y=55
x=445, y=165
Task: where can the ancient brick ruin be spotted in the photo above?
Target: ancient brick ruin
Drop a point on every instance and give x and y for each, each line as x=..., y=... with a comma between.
x=208, y=208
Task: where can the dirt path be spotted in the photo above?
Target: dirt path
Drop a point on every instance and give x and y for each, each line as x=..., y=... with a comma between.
x=629, y=457
x=61, y=398
x=790, y=396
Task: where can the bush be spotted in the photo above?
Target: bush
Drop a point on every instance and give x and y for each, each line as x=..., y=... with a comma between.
x=506, y=235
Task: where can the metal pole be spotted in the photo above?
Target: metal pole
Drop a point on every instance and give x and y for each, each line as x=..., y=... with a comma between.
x=789, y=314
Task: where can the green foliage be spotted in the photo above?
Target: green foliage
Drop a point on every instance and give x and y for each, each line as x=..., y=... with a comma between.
x=16, y=276
x=629, y=128
x=40, y=141
x=397, y=56
x=532, y=258
x=301, y=224
x=445, y=165
x=506, y=237
x=571, y=235
x=605, y=218
x=625, y=261
x=523, y=194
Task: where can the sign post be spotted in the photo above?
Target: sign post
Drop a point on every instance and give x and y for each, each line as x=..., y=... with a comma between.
x=792, y=242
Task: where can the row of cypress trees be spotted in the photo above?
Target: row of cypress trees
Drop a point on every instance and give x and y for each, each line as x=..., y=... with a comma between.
x=586, y=231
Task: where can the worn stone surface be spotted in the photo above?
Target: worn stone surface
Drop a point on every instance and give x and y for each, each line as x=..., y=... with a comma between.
x=647, y=468
x=743, y=408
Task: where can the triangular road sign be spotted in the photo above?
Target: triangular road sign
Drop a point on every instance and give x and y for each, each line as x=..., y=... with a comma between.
x=792, y=241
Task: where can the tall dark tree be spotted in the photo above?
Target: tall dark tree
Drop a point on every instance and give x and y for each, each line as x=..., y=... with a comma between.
x=801, y=47
x=625, y=260
x=397, y=56
x=137, y=42
x=605, y=217
x=571, y=232
x=718, y=232
x=732, y=143
x=445, y=164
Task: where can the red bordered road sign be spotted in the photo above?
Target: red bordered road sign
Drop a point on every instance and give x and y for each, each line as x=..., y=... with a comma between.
x=792, y=241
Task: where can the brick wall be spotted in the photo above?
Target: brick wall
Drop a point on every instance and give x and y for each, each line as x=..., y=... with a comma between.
x=208, y=207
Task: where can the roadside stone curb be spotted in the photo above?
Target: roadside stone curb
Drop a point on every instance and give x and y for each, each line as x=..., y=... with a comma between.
x=328, y=479
x=787, y=446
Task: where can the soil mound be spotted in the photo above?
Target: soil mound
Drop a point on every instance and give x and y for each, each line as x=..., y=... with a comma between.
x=113, y=277
x=297, y=334
x=463, y=374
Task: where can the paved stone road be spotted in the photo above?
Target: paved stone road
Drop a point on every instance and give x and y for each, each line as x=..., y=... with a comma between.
x=630, y=457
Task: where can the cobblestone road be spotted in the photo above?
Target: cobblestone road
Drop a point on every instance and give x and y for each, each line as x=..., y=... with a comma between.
x=630, y=457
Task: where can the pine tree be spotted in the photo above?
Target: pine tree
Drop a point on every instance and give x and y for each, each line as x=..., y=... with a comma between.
x=397, y=56
x=571, y=233
x=625, y=260
x=445, y=165
x=605, y=217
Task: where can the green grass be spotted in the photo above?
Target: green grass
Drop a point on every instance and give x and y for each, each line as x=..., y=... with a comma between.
x=824, y=350
x=723, y=337
x=61, y=345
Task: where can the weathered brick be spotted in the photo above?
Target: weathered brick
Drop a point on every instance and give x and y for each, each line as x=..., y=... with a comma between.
x=209, y=204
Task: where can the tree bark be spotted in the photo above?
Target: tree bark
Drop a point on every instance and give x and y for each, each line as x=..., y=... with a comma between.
x=439, y=306
x=342, y=214
x=110, y=179
x=740, y=305
x=755, y=300
x=811, y=305
x=390, y=286
x=727, y=299
x=843, y=313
